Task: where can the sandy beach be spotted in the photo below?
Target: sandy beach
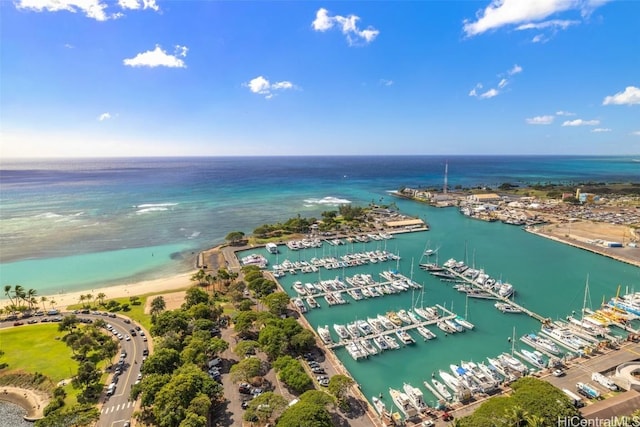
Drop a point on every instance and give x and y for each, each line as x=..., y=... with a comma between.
x=32, y=401
x=165, y=284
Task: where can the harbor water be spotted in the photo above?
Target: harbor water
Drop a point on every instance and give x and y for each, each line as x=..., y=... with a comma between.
x=549, y=278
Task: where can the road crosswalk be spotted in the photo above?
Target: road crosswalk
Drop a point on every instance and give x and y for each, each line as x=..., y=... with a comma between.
x=116, y=408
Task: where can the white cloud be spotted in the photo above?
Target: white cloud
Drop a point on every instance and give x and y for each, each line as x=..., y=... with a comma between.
x=554, y=23
x=515, y=70
x=636, y=133
x=564, y=113
x=539, y=38
x=630, y=96
x=262, y=86
x=527, y=14
x=385, y=82
x=348, y=25
x=489, y=94
x=323, y=21
x=94, y=9
x=598, y=130
x=158, y=58
x=502, y=83
x=540, y=120
x=104, y=116
x=580, y=122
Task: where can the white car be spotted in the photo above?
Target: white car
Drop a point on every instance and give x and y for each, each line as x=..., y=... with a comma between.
x=127, y=338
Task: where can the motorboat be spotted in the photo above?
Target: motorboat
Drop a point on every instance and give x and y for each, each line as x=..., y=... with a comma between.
x=441, y=389
x=505, y=307
x=342, y=331
x=405, y=337
x=272, y=248
x=402, y=314
x=415, y=396
x=385, y=322
x=394, y=318
x=368, y=347
x=534, y=357
x=426, y=332
x=300, y=305
x=403, y=403
x=325, y=335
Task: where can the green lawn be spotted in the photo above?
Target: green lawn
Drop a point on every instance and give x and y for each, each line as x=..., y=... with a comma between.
x=37, y=348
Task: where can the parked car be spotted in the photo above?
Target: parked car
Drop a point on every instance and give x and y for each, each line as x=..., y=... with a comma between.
x=244, y=388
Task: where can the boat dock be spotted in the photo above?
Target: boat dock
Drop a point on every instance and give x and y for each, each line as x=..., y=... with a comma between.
x=448, y=316
x=497, y=296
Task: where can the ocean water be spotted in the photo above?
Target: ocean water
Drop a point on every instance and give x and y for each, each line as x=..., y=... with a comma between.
x=13, y=415
x=79, y=224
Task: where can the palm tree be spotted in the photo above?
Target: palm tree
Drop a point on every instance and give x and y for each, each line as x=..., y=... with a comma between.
x=101, y=296
x=534, y=420
x=81, y=299
x=7, y=292
x=30, y=297
x=52, y=303
x=88, y=298
x=43, y=300
x=18, y=291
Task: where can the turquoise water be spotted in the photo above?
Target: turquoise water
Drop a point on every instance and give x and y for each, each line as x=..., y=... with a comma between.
x=78, y=272
x=549, y=278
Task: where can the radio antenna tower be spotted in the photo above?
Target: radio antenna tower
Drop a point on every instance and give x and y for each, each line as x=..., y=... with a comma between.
x=446, y=173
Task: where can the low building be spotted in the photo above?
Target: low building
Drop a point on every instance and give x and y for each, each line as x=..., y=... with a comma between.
x=484, y=198
x=405, y=224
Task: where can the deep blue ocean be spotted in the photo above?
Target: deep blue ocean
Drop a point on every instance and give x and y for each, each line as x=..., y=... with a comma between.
x=80, y=223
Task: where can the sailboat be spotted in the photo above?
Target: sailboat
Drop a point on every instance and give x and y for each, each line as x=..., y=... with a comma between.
x=464, y=322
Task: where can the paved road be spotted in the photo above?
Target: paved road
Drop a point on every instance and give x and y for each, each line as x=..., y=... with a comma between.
x=118, y=409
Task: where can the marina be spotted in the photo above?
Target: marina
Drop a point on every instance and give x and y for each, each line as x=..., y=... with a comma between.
x=498, y=360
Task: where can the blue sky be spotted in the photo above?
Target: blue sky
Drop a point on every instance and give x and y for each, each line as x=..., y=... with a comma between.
x=156, y=78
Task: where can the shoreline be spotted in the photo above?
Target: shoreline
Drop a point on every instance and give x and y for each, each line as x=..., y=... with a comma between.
x=29, y=400
x=169, y=283
x=584, y=246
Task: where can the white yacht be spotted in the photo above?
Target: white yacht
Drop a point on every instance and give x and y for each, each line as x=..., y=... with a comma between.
x=442, y=389
x=403, y=403
x=391, y=342
x=325, y=335
x=405, y=337
x=368, y=347
x=300, y=305
x=513, y=363
x=342, y=331
x=415, y=396
x=505, y=307
x=386, y=323
x=426, y=333
x=272, y=248
x=535, y=358
x=381, y=343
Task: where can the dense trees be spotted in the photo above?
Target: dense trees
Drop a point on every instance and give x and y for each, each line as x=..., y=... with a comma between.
x=276, y=302
x=189, y=391
x=266, y=407
x=339, y=386
x=175, y=390
x=234, y=237
x=533, y=402
x=246, y=369
x=292, y=373
x=312, y=414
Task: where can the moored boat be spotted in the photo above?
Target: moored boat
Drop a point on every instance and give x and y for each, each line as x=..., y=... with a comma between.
x=403, y=403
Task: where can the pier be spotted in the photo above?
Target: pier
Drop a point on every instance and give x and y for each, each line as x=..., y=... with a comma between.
x=448, y=315
x=497, y=296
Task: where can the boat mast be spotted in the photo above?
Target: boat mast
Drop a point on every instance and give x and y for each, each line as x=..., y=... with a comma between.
x=584, y=302
x=466, y=306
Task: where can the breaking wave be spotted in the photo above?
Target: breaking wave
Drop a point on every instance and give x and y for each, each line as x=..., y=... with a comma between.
x=326, y=201
x=153, y=207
